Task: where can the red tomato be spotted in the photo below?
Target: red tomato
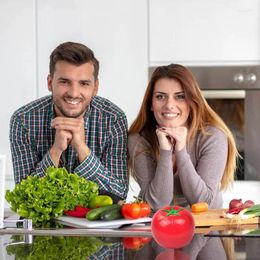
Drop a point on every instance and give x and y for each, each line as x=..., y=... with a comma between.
x=131, y=210
x=145, y=209
x=132, y=242
x=135, y=242
x=172, y=227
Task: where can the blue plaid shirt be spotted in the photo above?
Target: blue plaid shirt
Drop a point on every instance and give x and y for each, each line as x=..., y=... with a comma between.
x=31, y=137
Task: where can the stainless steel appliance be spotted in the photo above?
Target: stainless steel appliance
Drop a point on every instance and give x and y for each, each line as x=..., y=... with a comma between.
x=234, y=93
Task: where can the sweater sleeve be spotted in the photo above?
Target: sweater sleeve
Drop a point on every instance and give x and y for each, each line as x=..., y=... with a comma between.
x=200, y=182
x=155, y=181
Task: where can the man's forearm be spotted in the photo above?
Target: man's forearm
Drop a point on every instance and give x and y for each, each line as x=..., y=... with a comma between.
x=55, y=156
x=83, y=152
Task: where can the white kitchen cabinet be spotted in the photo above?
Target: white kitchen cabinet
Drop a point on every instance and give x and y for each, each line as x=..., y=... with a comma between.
x=115, y=30
x=204, y=31
x=17, y=66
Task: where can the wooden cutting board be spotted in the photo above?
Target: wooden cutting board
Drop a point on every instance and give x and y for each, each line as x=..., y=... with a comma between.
x=214, y=217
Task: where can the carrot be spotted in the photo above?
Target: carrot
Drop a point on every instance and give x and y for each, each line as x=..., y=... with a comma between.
x=199, y=207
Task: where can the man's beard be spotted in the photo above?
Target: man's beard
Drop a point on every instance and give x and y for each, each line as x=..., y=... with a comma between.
x=62, y=112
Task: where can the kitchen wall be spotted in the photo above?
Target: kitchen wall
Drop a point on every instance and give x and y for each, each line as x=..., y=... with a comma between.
x=31, y=29
x=127, y=36
x=17, y=66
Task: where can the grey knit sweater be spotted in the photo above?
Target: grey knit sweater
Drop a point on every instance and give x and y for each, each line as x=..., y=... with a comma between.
x=200, y=168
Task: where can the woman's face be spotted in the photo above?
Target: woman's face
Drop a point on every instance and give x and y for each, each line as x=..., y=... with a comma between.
x=169, y=104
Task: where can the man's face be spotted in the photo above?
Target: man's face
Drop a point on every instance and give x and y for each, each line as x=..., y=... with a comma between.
x=73, y=88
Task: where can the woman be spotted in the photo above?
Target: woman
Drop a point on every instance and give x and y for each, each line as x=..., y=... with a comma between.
x=180, y=150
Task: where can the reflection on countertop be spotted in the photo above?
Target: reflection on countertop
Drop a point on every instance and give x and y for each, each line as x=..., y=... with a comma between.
x=128, y=242
x=132, y=242
x=122, y=248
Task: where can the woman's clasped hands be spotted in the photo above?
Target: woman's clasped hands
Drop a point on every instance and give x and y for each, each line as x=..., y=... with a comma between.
x=172, y=138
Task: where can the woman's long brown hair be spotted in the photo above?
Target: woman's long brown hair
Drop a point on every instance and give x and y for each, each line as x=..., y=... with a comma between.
x=201, y=116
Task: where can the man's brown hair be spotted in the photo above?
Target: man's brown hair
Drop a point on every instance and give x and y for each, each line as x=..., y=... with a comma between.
x=74, y=53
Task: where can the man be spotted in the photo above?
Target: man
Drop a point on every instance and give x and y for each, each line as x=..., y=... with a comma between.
x=72, y=128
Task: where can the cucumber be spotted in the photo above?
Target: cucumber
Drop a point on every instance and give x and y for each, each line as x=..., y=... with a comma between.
x=95, y=214
x=111, y=214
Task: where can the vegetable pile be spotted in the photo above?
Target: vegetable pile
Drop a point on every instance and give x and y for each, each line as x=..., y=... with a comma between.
x=43, y=199
x=95, y=202
x=239, y=210
x=103, y=209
